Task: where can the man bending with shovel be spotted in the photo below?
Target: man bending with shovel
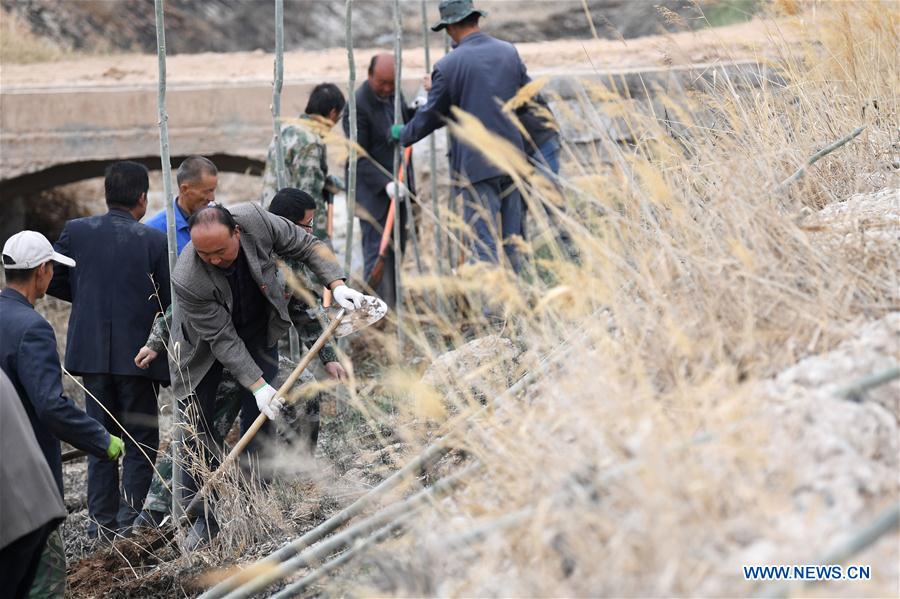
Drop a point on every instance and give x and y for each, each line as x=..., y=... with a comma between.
x=231, y=310
x=304, y=309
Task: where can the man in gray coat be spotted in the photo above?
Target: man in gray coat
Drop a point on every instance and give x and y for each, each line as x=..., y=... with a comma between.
x=231, y=310
x=32, y=507
x=478, y=77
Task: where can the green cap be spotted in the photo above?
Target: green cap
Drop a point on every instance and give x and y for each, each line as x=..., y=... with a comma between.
x=454, y=11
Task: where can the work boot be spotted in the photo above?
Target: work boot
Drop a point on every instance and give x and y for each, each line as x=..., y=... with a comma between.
x=202, y=531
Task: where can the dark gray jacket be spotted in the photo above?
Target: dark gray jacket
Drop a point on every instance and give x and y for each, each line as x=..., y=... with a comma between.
x=119, y=283
x=202, y=329
x=478, y=76
x=28, y=357
x=374, y=118
x=29, y=497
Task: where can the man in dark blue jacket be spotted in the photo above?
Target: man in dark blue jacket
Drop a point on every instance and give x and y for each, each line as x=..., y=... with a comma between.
x=478, y=77
x=374, y=117
x=28, y=357
x=119, y=285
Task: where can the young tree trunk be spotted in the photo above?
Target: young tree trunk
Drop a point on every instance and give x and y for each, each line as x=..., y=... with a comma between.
x=432, y=148
x=171, y=237
x=398, y=120
x=351, y=158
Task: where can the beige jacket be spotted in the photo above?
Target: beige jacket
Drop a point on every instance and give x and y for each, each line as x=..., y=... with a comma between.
x=202, y=330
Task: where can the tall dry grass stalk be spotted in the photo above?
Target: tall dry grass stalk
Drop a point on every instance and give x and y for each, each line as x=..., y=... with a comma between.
x=694, y=281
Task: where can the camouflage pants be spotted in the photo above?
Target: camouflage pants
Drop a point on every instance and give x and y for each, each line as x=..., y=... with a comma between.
x=297, y=422
x=50, y=579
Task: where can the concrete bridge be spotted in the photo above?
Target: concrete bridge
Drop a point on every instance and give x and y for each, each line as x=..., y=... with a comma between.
x=51, y=136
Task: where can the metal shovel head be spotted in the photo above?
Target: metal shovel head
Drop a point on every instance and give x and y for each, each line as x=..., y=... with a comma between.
x=372, y=310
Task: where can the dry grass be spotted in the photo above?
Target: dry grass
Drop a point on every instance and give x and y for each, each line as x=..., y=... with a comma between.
x=696, y=283
x=18, y=45
x=707, y=287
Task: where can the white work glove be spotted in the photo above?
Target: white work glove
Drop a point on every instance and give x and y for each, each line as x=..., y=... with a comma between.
x=349, y=299
x=267, y=401
x=391, y=189
x=419, y=101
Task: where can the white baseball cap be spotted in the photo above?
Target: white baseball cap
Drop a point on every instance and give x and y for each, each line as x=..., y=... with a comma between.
x=28, y=249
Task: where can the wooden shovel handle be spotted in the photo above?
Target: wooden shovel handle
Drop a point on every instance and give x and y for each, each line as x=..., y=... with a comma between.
x=194, y=506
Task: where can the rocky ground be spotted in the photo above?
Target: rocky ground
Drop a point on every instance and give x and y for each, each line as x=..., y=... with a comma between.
x=239, y=25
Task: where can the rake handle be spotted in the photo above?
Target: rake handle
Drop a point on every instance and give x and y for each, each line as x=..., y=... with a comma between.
x=194, y=506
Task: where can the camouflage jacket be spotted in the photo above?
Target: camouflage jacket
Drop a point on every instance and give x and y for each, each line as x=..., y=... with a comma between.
x=306, y=168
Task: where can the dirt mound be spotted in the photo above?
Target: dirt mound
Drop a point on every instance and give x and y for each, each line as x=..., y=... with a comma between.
x=128, y=566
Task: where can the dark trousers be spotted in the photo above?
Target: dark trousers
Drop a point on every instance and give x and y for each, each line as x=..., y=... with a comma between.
x=132, y=401
x=19, y=561
x=493, y=210
x=201, y=411
x=371, y=241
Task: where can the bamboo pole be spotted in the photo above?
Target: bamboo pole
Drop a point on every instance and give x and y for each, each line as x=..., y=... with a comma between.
x=351, y=159
x=296, y=588
x=857, y=389
x=800, y=172
x=171, y=237
x=328, y=547
x=398, y=120
x=887, y=521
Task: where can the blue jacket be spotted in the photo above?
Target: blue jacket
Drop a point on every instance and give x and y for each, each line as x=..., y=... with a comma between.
x=28, y=357
x=113, y=298
x=478, y=76
x=182, y=233
x=374, y=118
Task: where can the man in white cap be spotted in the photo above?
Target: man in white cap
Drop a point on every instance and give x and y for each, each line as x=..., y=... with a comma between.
x=28, y=357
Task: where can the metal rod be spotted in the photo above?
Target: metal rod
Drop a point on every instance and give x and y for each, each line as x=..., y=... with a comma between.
x=351, y=158
x=171, y=237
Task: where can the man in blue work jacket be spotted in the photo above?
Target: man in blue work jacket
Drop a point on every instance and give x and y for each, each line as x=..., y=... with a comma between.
x=28, y=357
x=197, y=178
x=478, y=77
x=120, y=284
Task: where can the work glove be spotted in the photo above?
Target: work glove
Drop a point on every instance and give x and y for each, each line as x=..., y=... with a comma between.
x=349, y=299
x=116, y=448
x=419, y=101
x=267, y=401
x=396, y=130
x=392, y=191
